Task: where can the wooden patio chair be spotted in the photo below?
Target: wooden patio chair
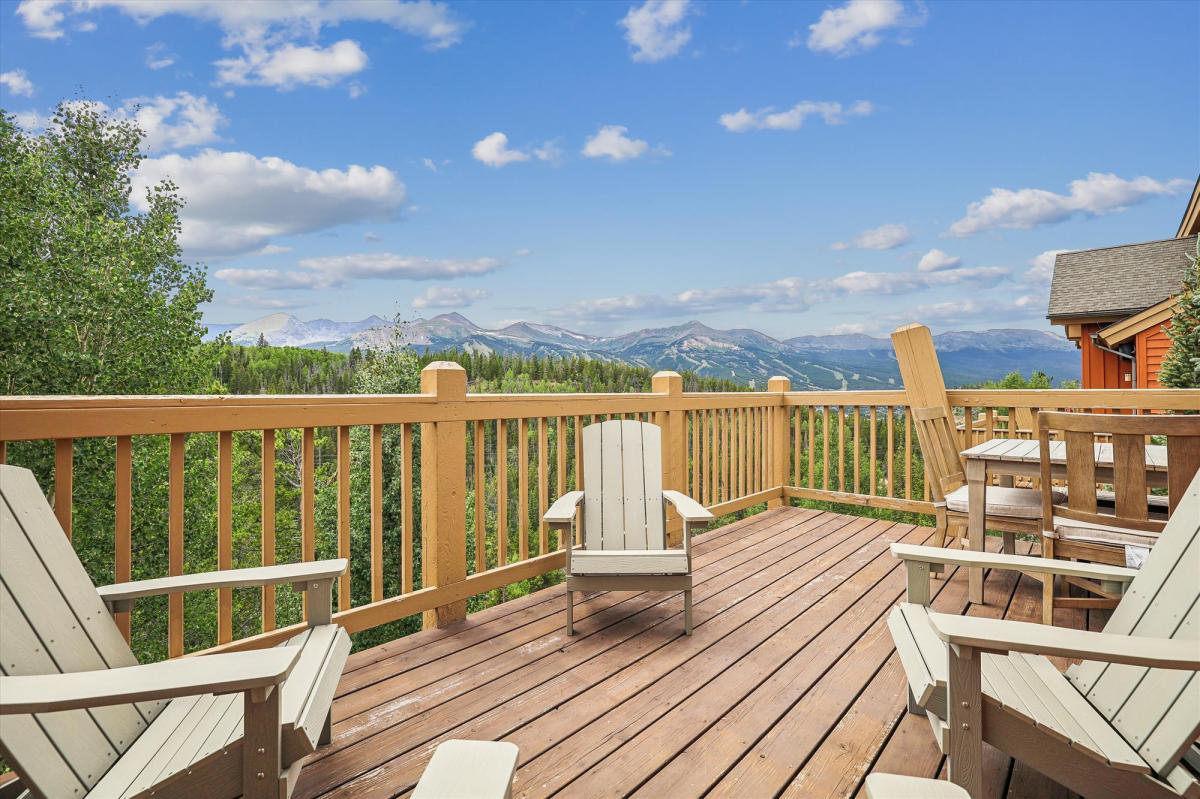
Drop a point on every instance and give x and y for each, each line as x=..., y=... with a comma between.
x=624, y=541
x=80, y=717
x=1120, y=724
x=1009, y=510
x=1098, y=526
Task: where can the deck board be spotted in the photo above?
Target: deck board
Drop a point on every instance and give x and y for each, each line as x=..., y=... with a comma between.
x=789, y=686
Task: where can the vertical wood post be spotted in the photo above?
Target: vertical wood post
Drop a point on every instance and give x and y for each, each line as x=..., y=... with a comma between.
x=779, y=440
x=674, y=454
x=444, y=492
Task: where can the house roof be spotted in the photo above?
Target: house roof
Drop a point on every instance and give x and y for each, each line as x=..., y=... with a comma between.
x=1118, y=281
x=1190, y=224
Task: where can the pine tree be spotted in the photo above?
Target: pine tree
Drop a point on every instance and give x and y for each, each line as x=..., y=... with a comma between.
x=1181, y=366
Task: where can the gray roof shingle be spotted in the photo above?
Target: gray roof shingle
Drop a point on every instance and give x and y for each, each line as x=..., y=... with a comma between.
x=1118, y=280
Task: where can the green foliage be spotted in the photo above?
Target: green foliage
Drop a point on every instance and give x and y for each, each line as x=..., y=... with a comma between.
x=1015, y=380
x=95, y=297
x=1181, y=365
x=263, y=369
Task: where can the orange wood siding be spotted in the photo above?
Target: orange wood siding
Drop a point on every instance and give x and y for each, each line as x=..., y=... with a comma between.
x=1102, y=369
x=1152, y=346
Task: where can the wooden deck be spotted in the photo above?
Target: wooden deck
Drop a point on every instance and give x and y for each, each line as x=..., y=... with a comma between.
x=789, y=686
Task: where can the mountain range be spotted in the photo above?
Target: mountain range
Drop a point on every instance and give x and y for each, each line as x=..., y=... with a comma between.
x=747, y=356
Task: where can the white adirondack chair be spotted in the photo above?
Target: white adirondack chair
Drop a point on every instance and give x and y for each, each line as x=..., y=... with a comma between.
x=624, y=541
x=1122, y=723
x=78, y=715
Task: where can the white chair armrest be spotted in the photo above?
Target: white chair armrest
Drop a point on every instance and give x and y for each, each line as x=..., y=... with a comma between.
x=299, y=574
x=216, y=674
x=563, y=509
x=1025, y=563
x=689, y=509
x=998, y=635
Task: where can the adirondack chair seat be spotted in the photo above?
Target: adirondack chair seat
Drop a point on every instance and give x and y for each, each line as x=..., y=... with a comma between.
x=1094, y=533
x=197, y=740
x=1027, y=687
x=625, y=561
x=1023, y=503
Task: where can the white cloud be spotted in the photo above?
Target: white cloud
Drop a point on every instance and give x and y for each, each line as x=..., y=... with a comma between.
x=611, y=142
x=249, y=301
x=159, y=57
x=340, y=270
x=884, y=237
x=793, y=118
x=372, y=237
x=31, y=121
x=266, y=33
x=494, y=151
x=849, y=329
x=523, y=251
x=1041, y=268
x=859, y=25
x=935, y=261
x=273, y=249
x=448, y=297
x=172, y=123
x=17, y=82
x=549, y=151
x=1097, y=194
x=237, y=202
x=972, y=311
x=655, y=30
x=355, y=90
x=786, y=295
x=272, y=279
x=291, y=65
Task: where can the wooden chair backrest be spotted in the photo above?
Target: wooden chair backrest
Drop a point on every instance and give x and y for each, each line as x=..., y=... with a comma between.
x=939, y=448
x=1128, y=446
x=53, y=621
x=1157, y=711
x=1022, y=420
x=623, y=502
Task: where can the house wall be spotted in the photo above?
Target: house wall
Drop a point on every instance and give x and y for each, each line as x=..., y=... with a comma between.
x=1102, y=369
x=1151, y=347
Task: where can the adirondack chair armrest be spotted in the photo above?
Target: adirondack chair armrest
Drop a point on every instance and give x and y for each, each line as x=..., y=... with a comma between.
x=300, y=575
x=689, y=509
x=563, y=509
x=1023, y=563
x=257, y=671
x=999, y=635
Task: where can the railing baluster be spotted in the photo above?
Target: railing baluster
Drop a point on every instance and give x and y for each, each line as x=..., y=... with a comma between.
x=811, y=431
x=891, y=448
x=267, y=479
x=523, y=488
x=502, y=491
x=841, y=422
x=907, y=452
x=873, y=437
x=122, y=519
x=543, y=484
x=308, y=521
x=224, y=533
x=480, y=501
x=376, y=513
x=560, y=442
x=796, y=442
x=825, y=447
x=407, y=520
x=175, y=543
x=63, y=482
x=857, y=444
x=694, y=418
x=343, y=514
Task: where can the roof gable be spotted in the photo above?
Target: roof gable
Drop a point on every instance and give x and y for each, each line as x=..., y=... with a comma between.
x=1118, y=281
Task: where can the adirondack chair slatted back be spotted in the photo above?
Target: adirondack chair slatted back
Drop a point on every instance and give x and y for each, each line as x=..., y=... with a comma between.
x=53, y=621
x=1022, y=423
x=623, y=502
x=1156, y=710
x=939, y=448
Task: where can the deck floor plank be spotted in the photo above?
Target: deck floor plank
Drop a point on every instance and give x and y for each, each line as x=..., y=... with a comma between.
x=789, y=687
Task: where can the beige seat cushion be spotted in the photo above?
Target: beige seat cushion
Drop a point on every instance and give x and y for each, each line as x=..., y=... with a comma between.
x=1022, y=503
x=1072, y=530
x=624, y=561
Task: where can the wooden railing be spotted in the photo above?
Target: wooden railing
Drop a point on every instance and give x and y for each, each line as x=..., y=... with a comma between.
x=449, y=487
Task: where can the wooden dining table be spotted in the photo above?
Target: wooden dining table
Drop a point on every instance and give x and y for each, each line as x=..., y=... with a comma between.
x=1009, y=458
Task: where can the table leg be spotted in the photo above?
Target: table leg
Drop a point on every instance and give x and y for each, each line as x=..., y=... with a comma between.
x=976, y=473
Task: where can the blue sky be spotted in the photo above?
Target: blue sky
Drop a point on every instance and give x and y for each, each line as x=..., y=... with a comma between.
x=792, y=167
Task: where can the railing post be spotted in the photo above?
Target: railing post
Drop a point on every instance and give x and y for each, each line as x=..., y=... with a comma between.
x=780, y=439
x=674, y=455
x=444, y=492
